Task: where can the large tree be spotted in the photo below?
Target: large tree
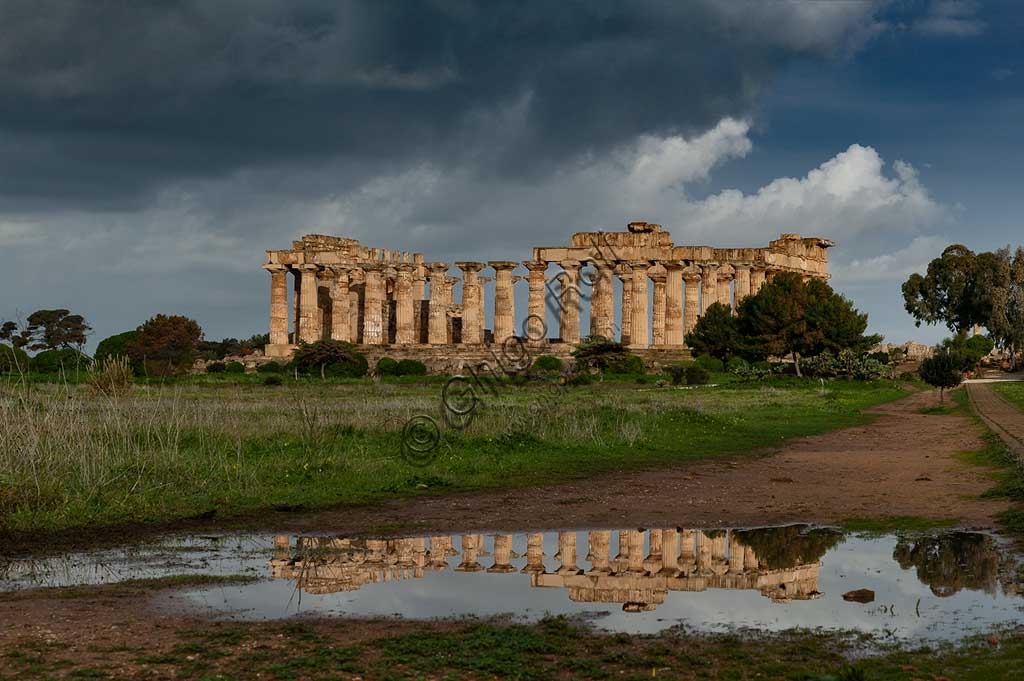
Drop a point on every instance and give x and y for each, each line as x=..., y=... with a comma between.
x=1006, y=319
x=166, y=344
x=47, y=330
x=715, y=333
x=955, y=290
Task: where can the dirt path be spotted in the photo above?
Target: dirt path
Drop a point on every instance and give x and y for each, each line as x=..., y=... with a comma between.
x=1003, y=418
x=902, y=464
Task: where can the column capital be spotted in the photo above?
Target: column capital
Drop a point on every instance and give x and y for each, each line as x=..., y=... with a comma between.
x=737, y=266
x=569, y=265
x=623, y=271
x=405, y=268
x=535, y=265
x=438, y=267
x=372, y=266
x=639, y=264
x=466, y=266
x=503, y=264
x=658, y=277
x=673, y=265
x=726, y=271
x=275, y=268
x=307, y=267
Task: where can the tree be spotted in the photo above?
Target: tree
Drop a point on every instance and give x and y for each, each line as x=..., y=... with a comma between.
x=166, y=344
x=47, y=330
x=115, y=346
x=716, y=333
x=835, y=324
x=1006, y=321
x=951, y=291
x=944, y=369
x=607, y=355
x=774, y=320
x=330, y=358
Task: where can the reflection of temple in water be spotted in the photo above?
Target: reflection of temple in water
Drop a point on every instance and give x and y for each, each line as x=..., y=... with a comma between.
x=675, y=560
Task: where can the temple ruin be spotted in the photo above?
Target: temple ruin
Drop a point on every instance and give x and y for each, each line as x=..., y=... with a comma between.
x=676, y=560
x=390, y=300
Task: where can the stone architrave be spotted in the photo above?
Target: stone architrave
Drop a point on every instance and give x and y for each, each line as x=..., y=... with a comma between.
x=373, y=319
x=602, y=302
x=309, y=322
x=658, y=275
x=537, y=280
x=405, y=329
x=673, y=303
x=757, y=277
x=691, y=305
x=626, y=277
x=638, y=334
x=570, y=330
x=278, y=304
x=437, y=330
x=708, y=286
x=340, y=322
x=504, y=300
x=742, y=285
x=725, y=274
x=472, y=322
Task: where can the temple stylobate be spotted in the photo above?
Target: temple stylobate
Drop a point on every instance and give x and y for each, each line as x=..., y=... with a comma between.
x=346, y=291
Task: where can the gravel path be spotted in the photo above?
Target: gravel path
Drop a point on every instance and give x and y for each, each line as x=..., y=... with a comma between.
x=1001, y=416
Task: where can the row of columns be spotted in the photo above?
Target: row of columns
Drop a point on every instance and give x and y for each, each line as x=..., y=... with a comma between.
x=325, y=303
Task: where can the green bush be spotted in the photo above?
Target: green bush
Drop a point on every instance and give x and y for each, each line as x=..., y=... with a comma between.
x=944, y=369
x=762, y=365
x=114, y=346
x=736, y=364
x=579, y=378
x=234, y=368
x=66, y=359
x=630, y=364
x=272, y=379
x=677, y=372
x=710, y=364
x=696, y=375
x=387, y=367
x=269, y=368
x=216, y=368
x=12, y=359
x=330, y=358
x=411, y=367
x=547, y=364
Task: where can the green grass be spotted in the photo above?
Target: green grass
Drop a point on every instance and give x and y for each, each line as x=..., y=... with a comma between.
x=551, y=649
x=69, y=459
x=1012, y=391
x=888, y=524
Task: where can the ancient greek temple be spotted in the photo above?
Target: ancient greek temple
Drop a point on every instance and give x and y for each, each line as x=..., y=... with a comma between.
x=676, y=560
x=377, y=297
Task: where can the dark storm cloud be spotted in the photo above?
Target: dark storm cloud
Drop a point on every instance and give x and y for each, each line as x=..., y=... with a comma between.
x=102, y=101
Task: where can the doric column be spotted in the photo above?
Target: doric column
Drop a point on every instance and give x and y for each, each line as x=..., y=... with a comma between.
x=725, y=285
x=658, y=315
x=757, y=277
x=296, y=303
x=567, y=554
x=735, y=554
x=504, y=300
x=309, y=321
x=570, y=330
x=373, y=298
x=534, y=554
x=635, y=557
x=472, y=322
x=404, y=322
x=470, y=551
x=502, y=554
x=669, y=553
x=437, y=331
x=419, y=278
x=602, y=302
x=626, y=277
x=278, y=304
x=535, y=305
x=691, y=308
x=708, y=286
x=638, y=337
x=340, y=322
x=742, y=278
x=600, y=542
x=356, y=295
x=673, y=303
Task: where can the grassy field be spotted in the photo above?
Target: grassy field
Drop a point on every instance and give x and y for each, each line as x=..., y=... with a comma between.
x=551, y=649
x=69, y=458
x=1012, y=391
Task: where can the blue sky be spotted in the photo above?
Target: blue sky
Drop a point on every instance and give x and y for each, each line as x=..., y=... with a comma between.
x=153, y=151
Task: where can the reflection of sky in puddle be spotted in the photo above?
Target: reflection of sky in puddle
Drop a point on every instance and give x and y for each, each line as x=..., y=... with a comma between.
x=711, y=592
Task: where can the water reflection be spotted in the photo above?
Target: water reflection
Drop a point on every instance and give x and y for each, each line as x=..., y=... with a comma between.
x=952, y=561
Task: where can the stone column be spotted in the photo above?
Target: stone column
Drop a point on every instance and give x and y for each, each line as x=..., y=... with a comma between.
x=405, y=327
x=600, y=542
x=309, y=321
x=567, y=554
x=535, y=307
x=534, y=554
x=669, y=553
x=742, y=278
x=602, y=302
x=638, y=302
x=278, y=304
x=563, y=302
x=373, y=299
x=296, y=303
x=635, y=557
x=658, y=315
x=472, y=322
x=757, y=277
x=570, y=332
x=708, y=286
x=673, y=303
x=356, y=295
x=691, y=308
x=419, y=279
x=470, y=550
x=626, y=277
x=504, y=300
x=725, y=285
x=340, y=322
x=502, y=554
x=437, y=331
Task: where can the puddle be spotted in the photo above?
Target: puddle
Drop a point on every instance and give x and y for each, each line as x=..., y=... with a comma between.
x=938, y=586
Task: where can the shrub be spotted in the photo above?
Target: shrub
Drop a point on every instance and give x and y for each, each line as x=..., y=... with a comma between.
x=411, y=367
x=12, y=359
x=942, y=370
x=548, y=364
x=387, y=367
x=880, y=357
x=54, y=361
x=579, y=378
x=166, y=344
x=330, y=358
x=630, y=364
x=600, y=353
x=696, y=375
x=234, y=368
x=709, y=364
x=114, y=346
x=762, y=365
x=272, y=379
x=677, y=372
x=112, y=376
x=269, y=368
x=216, y=368
x=736, y=364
